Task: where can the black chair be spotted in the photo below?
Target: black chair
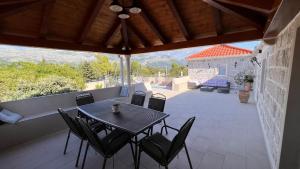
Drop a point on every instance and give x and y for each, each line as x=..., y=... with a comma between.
x=83, y=99
x=157, y=102
x=107, y=146
x=75, y=128
x=162, y=150
x=138, y=98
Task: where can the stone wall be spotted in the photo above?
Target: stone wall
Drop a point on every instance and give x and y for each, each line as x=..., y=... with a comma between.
x=204, y=69
x=272, y=87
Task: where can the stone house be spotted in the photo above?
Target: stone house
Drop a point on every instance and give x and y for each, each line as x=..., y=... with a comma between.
x=221, y=62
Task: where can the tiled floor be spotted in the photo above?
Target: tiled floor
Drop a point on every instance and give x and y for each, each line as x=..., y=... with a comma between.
x=226, y=135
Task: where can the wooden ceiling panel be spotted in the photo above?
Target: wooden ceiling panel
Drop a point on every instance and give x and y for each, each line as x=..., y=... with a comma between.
x=116, y=39
x=162, y=15
x=231, y=23
x=102, y=24
x=162, y=24
x=198, y=17
x=67, y=18
x=143, y=27
x=29, y=25
x=264, y=4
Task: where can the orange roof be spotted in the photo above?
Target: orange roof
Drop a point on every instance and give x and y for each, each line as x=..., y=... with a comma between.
x=220, y=51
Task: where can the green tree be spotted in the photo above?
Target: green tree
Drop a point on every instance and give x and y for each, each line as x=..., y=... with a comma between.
x=102, y=66
x=135, y=68
x=88, y=72
x=177, y=69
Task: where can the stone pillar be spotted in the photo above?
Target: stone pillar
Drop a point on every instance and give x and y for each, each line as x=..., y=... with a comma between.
x=128, y=69
x=121, y=69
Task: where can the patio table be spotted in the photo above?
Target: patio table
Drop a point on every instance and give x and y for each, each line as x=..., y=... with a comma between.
x=132, y=119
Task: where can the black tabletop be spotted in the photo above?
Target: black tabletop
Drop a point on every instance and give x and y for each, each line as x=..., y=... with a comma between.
x=133, y=119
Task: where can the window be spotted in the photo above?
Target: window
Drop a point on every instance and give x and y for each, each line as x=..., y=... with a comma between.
x=222, y=70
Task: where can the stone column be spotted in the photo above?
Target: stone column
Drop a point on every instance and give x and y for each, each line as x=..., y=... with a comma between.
x=121, y=69
x=128, y=69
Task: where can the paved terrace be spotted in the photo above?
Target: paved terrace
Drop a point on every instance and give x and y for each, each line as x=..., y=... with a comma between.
x=226, y=135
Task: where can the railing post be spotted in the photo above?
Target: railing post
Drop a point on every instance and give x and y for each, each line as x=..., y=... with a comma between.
x=121, y=69
x=128, y=69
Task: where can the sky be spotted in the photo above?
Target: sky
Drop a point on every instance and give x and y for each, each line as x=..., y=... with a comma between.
x=182, y=53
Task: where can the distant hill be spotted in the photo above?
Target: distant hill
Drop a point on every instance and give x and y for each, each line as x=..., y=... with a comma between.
x=10, y=54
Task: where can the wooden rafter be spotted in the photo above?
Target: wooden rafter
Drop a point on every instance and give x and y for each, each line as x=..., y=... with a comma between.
x=10, y=9
x=250, y=7
x=116, y=26
x=124, y=32
x=225, y=38
x=217, y=15
x=10, y=2
x=90, y=19
x=152, y=24
x=140, y=35
x=45, y=18
x=56, y=44
x=178, y=19
x=253, y=18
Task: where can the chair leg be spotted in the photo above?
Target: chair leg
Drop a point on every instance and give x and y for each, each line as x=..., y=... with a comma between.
x=139, y=159
x=132, y=151
x=67, y=141
x=85, y=153
x=79, y=152
x=165, y=127
x=166, y=167
x=104, y=163
x=188, y=156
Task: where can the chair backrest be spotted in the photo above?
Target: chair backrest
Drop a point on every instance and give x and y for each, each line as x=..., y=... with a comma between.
x=138, y=98
x=84, y=98
x=157, y=102
x=179, y=140
x=92, y=137
x=72, y=124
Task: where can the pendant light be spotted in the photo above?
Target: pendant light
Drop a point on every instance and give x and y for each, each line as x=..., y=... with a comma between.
x=115, y=6
x=135, y=9
x=123, y=15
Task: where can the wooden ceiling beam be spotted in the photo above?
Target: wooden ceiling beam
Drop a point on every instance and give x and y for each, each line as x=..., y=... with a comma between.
x=140, y=35
x=265, y=12
x=124, y=33
x=255, y=19
x=55, y=44
x=90, y=19
x=116, y=25
x=10, y=2
x=245, y=35
x=48, y=7
x=7, y=10
x=152, y=24
x=178, y=19
x=217, y=15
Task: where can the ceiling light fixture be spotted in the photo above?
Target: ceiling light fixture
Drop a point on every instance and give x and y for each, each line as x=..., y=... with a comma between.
x=135, y=8
x=123, y=11
x=123, y=15
x=115, y=6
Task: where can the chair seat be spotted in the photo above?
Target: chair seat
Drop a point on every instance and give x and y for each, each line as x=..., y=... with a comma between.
x=114, y=141
x=149, y=148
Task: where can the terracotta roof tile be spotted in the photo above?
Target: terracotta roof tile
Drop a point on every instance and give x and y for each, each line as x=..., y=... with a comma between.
x=220, y=51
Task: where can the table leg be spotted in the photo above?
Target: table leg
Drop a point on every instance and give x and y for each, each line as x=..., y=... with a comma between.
x=136, y=151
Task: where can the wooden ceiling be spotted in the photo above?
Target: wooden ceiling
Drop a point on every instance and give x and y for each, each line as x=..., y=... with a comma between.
x=89, y=25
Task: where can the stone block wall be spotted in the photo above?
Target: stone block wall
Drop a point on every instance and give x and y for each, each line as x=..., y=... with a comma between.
x=272, y=87
x=204, y=69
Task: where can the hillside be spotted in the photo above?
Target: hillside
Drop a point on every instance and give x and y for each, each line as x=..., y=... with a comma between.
x=10, y=54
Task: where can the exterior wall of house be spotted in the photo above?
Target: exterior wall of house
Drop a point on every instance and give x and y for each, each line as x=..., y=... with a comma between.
x=204, y=69
x=272, y=87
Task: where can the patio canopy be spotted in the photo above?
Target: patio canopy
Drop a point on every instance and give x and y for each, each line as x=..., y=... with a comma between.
x=90, y=25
